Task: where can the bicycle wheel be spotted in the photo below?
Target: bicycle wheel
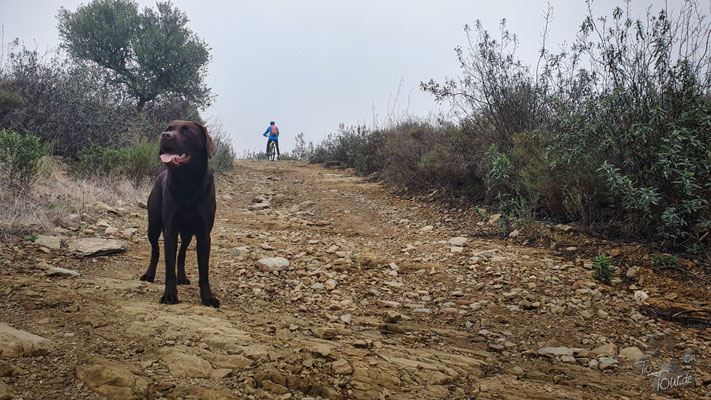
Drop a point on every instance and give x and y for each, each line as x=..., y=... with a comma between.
x=270, y=154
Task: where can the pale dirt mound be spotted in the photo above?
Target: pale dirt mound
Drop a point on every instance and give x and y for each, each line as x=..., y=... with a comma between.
x=376, y=302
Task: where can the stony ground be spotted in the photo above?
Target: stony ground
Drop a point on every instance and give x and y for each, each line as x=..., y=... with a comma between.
x=332, y=287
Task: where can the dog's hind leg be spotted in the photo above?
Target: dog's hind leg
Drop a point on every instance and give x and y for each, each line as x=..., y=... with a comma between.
x=184, y=242
x=154, y=229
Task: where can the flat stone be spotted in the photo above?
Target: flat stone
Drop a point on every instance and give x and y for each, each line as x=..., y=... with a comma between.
x=259, y=206
x=392, y=316
x=324, y=332
x=555, y=351
x=188, y=365
x=427, y=228
x=632, y=272
x=341, y=367
x=631, y=354
x=113, y=380
x=51, y=242
x=104, y=207
x=606, y=350
x=389, y=304
x=606, y=363
x=458, y=241
x=394, y=284
x=322, y=349
x=58, y=271
x=273, y=264
x=14, y=343
x=96, y=246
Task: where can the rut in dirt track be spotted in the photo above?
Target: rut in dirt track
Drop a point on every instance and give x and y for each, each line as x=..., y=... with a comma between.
x=382, y=297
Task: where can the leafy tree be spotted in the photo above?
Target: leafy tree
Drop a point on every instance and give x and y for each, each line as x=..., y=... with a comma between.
x=146, y=54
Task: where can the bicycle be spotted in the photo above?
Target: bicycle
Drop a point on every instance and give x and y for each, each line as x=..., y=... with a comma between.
x=271, y=153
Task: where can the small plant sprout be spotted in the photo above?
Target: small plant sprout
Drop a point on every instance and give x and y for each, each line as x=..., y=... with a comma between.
x=603, y=270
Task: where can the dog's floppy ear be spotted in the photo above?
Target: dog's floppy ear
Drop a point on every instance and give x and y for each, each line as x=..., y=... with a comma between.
x=209, y=145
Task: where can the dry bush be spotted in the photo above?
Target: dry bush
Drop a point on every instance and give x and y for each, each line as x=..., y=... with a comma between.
x=422, y=156
x=57, y=194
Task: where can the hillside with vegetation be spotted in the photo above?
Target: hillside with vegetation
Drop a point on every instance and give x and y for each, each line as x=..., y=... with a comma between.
x=611, y=132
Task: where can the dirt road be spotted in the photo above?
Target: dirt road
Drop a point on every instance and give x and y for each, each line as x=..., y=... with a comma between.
x=383, y=297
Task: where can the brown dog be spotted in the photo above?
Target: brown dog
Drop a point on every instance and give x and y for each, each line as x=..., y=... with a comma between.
x=182, y=202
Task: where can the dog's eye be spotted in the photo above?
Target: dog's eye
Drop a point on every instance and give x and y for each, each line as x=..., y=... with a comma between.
x=184, y=129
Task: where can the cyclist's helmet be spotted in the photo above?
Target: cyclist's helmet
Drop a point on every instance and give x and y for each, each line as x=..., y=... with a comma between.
x=271, y=123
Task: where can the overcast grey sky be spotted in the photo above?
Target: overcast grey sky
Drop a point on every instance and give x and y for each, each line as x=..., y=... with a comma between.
x=310, y=65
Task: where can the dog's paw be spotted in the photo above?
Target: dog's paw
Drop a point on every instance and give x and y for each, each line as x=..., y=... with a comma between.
x=183, y=280
x=148, y=277
x=169, y=299
x=213, y=302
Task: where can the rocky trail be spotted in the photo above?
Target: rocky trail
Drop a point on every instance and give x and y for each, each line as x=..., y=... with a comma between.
x=332, y=287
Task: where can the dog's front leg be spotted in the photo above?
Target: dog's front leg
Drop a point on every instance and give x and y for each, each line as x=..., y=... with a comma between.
x=170, y=296
x=203, y=256
x=184, y=243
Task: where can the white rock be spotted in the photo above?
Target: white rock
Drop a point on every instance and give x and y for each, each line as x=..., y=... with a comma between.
x=273, y=264
x=330, y=284
x=555, y=351
x=51, y=242
x=458, y=241
x=57, y=271
x=96, y=246
x=641, y=297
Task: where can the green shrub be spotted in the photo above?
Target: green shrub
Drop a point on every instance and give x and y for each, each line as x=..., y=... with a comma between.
x=135, y=162
x=223, y=155
x=351, y=147
x=665, y=260
x=20, y=158
x=141, y=160
x=603, y=270
x=222, y=159
x=97, y=160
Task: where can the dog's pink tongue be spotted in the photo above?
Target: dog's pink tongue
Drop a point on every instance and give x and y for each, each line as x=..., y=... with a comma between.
x=166, y=158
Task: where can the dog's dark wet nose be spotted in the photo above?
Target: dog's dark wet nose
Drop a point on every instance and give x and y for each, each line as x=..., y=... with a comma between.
x=167, y=135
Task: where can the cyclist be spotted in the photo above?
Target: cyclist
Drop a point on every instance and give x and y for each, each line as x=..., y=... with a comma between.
x=273, y=133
